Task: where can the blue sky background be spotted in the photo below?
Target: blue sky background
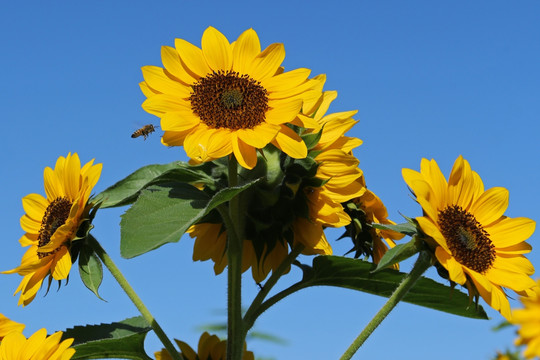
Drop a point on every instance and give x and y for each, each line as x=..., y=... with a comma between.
x=430, y=79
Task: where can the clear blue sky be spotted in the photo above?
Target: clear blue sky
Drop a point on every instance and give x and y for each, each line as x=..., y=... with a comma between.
x=430, y=79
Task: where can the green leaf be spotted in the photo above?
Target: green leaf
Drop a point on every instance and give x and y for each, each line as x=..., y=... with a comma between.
x=126, y=191
x=90, y=269
x=407, y=228
x=399, y=253
x=118, y=340
x=356, y=274
x=162, y=214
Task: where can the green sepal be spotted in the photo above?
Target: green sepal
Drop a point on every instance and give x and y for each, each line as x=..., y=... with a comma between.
x=356, y=274
x=399, y=253
x=163, y=213
x=312, y=139
x=125, y=191
x=407, y=228
x=90, y=269
x=118, y=340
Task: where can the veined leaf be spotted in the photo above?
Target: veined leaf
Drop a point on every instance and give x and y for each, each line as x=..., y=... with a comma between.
x=356, y=274
x=163, y=213
x=407, y=228
x=90, y=269
x=118, y=340
x=126, y=190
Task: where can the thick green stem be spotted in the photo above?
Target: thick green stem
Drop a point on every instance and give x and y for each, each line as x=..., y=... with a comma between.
x=107, y=261
x=422, y=264
x=254, y=310
x=234, y=224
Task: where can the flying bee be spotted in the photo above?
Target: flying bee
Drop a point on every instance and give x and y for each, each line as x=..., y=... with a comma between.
x=144, y=131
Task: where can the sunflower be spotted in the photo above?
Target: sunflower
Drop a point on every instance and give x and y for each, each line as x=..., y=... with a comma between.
x=369, y=209
x=51, y=223
x=296, y=208
x=39, y=346
x=528, y=319
x=7, y=326
x=472, y=239
x=210, y=348
x=228, y=98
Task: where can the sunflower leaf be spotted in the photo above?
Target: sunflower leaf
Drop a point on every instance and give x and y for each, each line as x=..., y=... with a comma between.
x=163, y=213
x=407, y=228
x=118, y=340
x=125, y=191
x=399, y=253
x=356, y=274
x=90, y=269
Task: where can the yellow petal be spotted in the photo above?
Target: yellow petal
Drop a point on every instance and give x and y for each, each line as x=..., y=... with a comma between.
x=173, y=65
x=72, y=176
x=147, y=90
x=245, y=49
x=286, y=81
x=510, y=279
x=455, y=269
x=245, y=154
x=283, y=111
x=290, y=143
x=34, y=206
x=216, y=50
x=267, y=63
x=181, y=119
x=193, y=58
x=163, y=103
x=260, y=136
x=433, y=231
x=157, y=79
x=490, y=206
x=61, y=264
x=54, y=188
x=510, y=231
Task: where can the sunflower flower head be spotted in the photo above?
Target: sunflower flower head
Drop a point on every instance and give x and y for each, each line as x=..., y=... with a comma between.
x=53, y=222
x=528, y=320
x=39, y=346
x=210, y=347
x=365, y=210
x=474, y=242
x=292, y=203
x=228, y=98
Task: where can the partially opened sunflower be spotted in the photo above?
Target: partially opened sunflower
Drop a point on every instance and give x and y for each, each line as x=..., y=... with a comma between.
x=210, y=347
x=51, y=223
x=528, y=321
x=39, y=346
x=228, y=98
x=472, y=239
x=296, y=208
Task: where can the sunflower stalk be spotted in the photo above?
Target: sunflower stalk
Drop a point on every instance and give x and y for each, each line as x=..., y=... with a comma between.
x=234, y=225
x=115, y=272
x=422, y=264
x=252, y=313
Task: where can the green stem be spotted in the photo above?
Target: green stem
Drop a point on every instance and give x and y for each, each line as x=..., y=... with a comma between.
x=422, y=264
x=253, y=312
x=108, y=262
x=233, y=223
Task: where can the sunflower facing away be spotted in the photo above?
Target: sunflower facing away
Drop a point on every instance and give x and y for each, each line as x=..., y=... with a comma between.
x=228, y=98
x=39, y=346
x=51, y=223
x=307, y=203
x=210, y=348
x=472, y=239
x=528, y=320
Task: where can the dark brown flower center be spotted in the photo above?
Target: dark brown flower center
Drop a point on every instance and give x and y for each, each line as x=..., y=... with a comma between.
x=55, y=216
x=229, y=100
x=466, y=239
